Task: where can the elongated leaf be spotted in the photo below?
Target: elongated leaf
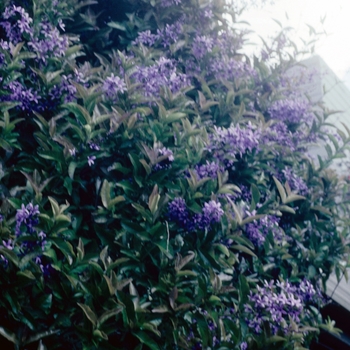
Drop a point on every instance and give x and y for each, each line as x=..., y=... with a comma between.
x=80, y=112
x=281, y=190
x=243, y=249
x=89, y=313
x=107, y=315
x=147, y=340
x=10, y=255
x=105, y=194
x=8, y=335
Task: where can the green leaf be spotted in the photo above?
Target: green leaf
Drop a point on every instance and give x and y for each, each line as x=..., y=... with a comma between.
x=107, y=315
x=8, y=335
x=286, y=209
x=27, y=274
x=147, y=340
x=255, y=196
x=116, y=263
x=243, y=249
x=80, y=112
x=10, y=255
x=275, y=339
x=105, y=194
x=99, y=334
x=153, y=200
x=54, y=206
x=243, y=289
x=89, y=313
x=174, y=117
x=71, y=169
x=281, y=190
x=117, y=25
x=65, y=247
x=293, y=197
x=129, y=308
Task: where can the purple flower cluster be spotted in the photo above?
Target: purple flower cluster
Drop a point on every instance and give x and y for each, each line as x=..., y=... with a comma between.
x=146, y=38
x=229, y=42
x=168, y=3
x=278, y=134
x=27, y=219
x=230, y=68
x=112, y=86
x=27, y=216
x=244, y=346
x=193, y=336
x=201, y=46
x=210, y=215
x=165, y=158
x=45, y=268
x=276, y=303
x=64, y=88
x=17, y=23
x=167, y=36
x=26, y=97
x=291, y=111
x=296, y=183
x=178, y=212
x=170, y=33
x=49, y=42
x=226, y=144
x=162, y=73
x=245, y=194
x=208, y=170
x=259, y=229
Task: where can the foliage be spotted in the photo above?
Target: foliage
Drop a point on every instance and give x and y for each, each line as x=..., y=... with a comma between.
x=157, y=191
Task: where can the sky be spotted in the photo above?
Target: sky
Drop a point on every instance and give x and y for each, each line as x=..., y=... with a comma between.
x=334, y=45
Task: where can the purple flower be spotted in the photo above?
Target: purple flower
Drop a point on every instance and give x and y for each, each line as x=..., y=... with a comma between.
x=8, y=244
x=162, y=73
x=201, y=46
x=165, y=158
x=276, y=303
x=27, y=216
x=170, y=33
x=64, y=89
x=112, y=86
x=167, y=153
x=212, y=211
x=244, y=346
x=168, y=3
x=18, y=22
x=208, y=170
x=229, y=68
x=291, y=111
x=46, y=269
x=27, y=98
x=91, y=160
x=296, y=183
x=94, y=146
x=226, y=144
x=306, y=290
x=210, y=215
x=49, y=42
x=146, y=38
x=178, y=212
x=259, y=229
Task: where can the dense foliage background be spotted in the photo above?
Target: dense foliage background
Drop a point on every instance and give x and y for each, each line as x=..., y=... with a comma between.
x=156, y=186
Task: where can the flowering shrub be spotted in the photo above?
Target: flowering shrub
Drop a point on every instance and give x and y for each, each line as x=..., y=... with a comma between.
x=156, y=186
